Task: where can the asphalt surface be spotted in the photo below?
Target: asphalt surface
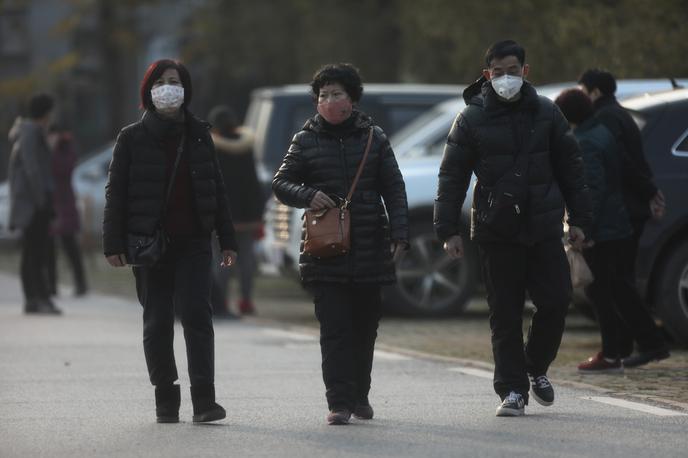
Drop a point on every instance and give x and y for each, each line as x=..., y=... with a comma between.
x=76, y=385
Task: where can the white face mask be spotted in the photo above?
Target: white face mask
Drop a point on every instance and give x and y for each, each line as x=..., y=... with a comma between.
x=507, y=86
x=167, y=97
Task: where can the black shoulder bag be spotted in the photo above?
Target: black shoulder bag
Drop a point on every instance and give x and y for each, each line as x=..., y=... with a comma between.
x=147, y=249
x=507, y=198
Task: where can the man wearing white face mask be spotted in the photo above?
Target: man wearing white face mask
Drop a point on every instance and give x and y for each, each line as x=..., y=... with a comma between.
x=529, y=168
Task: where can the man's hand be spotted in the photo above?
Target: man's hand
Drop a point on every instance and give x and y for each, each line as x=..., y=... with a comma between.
x=658, y=205
x=454, y=247
x=576, y=238
x=321, y=200
x=397, y=248
x=228, y=258
x=116, y=260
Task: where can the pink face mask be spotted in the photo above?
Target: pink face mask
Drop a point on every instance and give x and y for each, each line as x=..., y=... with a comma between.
x=335, y=112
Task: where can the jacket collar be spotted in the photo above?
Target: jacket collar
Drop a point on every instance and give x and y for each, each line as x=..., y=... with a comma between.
x=482, y=94
x=605, y=100
x=586, y=125
x=361, y=121
x=164, y=128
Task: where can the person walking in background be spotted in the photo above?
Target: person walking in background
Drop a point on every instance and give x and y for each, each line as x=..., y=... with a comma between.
x=642, y=198
x=528, y=166
x=169, y=151
x=317, y=173
x=613, y=291
x=31, y=201
x=234, y=145
x=65, y=226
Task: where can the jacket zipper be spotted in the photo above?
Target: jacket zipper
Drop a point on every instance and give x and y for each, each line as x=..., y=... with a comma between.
x=342, y=155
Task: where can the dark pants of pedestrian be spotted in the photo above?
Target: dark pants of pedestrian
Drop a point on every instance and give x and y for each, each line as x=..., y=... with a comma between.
x=624, y=335
x=70, y=246
x=509, y=270
x=349, y=314
x=181, y=277
x=619, y=308
x=34, y=258
x=246, y=265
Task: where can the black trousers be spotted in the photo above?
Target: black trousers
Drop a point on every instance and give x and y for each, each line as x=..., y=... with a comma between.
x=621, y=314
x=349, y=314
x=181, y=278
x=509, y=270
x=70, y=246
x=35, y=258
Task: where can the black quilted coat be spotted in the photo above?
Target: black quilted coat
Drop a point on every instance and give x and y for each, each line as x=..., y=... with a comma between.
x=322, y=159
x=485, y=139
x=136, y=185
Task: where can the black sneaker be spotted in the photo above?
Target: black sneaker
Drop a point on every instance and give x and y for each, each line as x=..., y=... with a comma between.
x=645, y=357
x=339, y=417
x=512, y=406
x=541, y=389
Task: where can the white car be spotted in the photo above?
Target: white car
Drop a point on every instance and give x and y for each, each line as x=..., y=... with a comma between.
x=88, y=180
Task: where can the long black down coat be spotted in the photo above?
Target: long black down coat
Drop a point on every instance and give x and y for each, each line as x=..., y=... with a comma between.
x=137, y=183
x=321, y=160
x=484, y=140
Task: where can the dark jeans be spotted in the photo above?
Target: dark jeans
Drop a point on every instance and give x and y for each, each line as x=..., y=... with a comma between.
x=70, y=246
x=620, y=310
x=34, y=258
x=181, y=278
x=349, y=314
x=509, y=270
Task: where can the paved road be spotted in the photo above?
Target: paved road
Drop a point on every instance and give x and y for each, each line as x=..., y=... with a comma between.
x=77, y=386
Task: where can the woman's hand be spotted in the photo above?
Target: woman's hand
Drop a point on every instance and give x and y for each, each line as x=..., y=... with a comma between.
x=116, y=260
x=228, y=258
x=321, y=200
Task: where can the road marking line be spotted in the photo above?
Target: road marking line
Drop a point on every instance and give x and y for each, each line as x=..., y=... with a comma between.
x=473, y=371
x=635, y=406
x=289, y=335
x=389, y=356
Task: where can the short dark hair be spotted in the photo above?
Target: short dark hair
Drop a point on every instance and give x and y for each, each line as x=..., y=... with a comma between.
x=223, y=118
x=40, y=105
x=345, y=74
x=505, y=48
x=154, y=71
x=575, y=104
x=596, y=78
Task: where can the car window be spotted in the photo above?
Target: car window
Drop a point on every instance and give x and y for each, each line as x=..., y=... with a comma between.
x=262, y=119
x=400, y=115
x=301, y=113
x=681, y=146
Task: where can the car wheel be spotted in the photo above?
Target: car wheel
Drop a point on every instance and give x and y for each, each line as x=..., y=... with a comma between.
x=671, y=294
x=429, y=283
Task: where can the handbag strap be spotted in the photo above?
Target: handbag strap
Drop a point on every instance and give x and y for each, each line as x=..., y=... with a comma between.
x=180, y=150
x=347, y=201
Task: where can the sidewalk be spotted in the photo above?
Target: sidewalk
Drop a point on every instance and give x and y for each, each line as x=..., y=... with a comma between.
x=76, y=385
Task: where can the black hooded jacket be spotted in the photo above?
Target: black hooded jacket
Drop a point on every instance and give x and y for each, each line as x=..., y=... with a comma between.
x=484, y=140
x=323, y=158
x=137, y=183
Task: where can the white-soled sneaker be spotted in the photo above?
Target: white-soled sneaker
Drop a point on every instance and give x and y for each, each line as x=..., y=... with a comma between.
x=541, y=389
x=512, y=406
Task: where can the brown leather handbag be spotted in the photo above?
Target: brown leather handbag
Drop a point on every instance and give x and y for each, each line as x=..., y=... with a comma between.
x=328, y=231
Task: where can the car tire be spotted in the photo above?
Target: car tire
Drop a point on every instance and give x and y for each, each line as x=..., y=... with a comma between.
x=428, y=282
x=671, y=293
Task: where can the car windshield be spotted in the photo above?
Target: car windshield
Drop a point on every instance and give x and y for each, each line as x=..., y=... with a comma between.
x=417, y=124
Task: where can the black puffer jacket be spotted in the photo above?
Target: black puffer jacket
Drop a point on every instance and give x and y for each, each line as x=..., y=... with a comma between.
x=322, y=160
x=636, y=174
x=484, y=140
x=137, y=183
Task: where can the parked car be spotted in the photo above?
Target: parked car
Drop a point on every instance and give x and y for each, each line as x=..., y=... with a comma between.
x=88, y=179
x=430, y=284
